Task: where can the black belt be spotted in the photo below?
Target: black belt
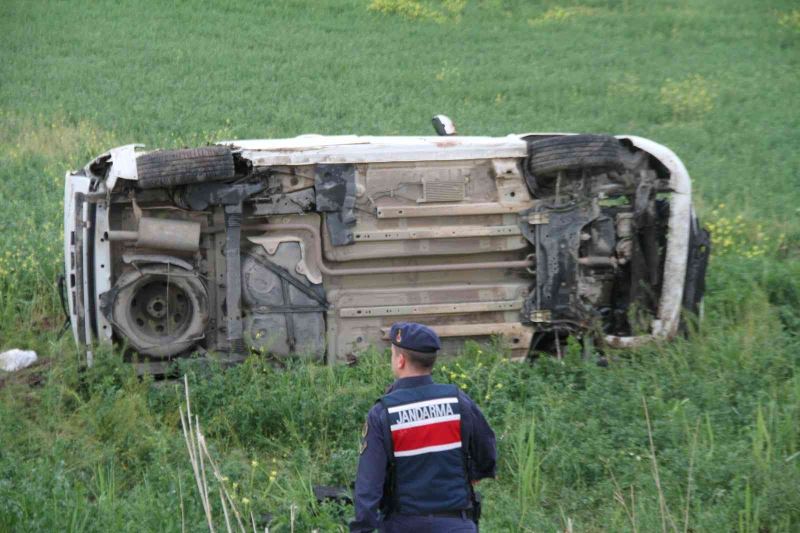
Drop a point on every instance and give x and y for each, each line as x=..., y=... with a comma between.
x=465, y=514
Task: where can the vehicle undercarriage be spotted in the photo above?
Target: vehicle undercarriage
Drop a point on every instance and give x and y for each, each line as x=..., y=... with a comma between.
x=314, y=246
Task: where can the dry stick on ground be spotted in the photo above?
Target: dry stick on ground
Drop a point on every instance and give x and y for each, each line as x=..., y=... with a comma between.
x=662, y=501
x=202, y=461
x=621, y=500
x=689, y=478
x=218, y=475
x=192, y=448
x=225, y=511
x=198, y=455
x=183, y=515
x=193, y=452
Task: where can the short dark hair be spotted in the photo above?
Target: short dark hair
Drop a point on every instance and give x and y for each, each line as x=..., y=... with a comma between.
x=422, y=360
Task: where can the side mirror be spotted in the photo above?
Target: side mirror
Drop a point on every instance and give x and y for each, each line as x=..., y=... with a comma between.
x=443, y=125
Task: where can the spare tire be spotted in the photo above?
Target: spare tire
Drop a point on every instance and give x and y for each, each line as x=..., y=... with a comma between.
x=573, y=152
x=159, y=309
x=167, y=168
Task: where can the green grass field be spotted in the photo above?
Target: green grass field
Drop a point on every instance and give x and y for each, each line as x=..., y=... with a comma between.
x=717, y=81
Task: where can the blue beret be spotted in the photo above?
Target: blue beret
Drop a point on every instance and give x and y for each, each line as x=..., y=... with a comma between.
x=413, y=336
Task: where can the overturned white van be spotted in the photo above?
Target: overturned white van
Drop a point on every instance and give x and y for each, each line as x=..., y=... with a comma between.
x=314, y=246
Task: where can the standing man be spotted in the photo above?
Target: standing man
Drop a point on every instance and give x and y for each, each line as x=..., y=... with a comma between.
x=423, y=447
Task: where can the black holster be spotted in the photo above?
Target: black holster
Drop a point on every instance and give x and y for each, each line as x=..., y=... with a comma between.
x=476, y=506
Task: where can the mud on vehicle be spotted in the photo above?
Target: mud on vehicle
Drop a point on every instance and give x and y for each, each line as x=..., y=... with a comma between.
x=313, y=246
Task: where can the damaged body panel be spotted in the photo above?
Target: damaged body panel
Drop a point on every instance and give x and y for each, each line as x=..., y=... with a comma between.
x=314, y=246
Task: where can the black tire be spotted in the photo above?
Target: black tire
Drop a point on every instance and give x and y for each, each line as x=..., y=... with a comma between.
x=573, y=152
x=167, y=168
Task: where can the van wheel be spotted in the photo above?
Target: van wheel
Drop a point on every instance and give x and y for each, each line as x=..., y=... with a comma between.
x=167, y=168
x=573, y=152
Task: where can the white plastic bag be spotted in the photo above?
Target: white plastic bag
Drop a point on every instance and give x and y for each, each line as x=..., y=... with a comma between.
x=13, y=360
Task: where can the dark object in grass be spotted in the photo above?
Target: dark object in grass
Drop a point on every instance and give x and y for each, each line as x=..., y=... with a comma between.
x=32, y=376
x=340, y=495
